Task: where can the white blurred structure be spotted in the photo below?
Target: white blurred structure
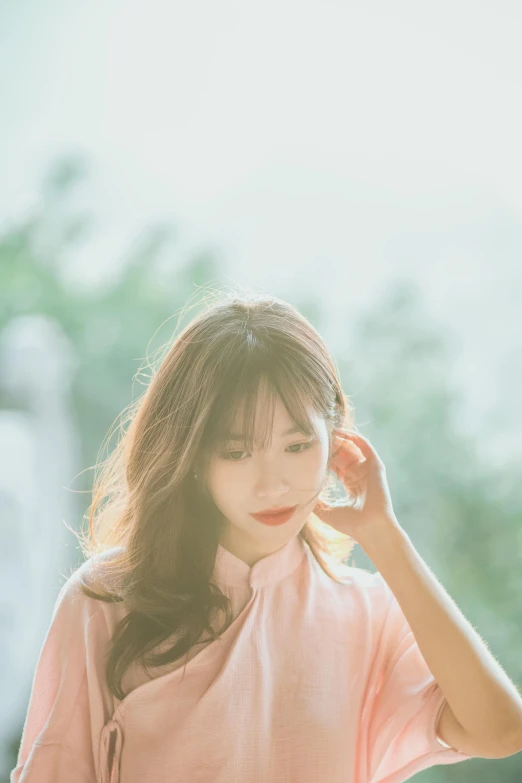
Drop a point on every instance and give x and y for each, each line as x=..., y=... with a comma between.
x=38, y=459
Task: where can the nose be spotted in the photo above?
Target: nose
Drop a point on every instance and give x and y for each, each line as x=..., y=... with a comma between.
x=270, y=483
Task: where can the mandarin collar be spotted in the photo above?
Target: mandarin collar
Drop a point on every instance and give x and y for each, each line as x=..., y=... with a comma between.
x=230, y=570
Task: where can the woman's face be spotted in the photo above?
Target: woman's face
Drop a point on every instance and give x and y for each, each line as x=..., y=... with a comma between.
x=290, y=471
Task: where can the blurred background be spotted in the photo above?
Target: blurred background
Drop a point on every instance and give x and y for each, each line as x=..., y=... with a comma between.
x=361, y=160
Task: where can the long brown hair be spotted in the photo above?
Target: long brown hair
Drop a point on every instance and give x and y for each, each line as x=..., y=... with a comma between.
x=153, y=529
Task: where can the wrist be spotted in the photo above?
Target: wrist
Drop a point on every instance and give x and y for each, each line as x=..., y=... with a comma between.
x=382, y=538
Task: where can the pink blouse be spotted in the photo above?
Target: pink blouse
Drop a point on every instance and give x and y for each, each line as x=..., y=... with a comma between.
x=313, y=681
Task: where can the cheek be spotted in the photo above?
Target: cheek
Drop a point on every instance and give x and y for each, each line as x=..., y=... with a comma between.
x=226, y=483
x=324, y=459
x=314, y=462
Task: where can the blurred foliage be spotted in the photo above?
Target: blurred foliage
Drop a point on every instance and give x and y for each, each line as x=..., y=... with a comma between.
x=464, y=516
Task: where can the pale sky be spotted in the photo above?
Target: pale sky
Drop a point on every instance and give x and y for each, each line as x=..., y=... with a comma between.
x=196, y=95
x=297, y=135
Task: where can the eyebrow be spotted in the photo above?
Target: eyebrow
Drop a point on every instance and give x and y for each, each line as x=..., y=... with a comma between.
x=291, y=431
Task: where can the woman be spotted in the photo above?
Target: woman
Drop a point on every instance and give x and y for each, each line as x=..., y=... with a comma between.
x=202, y=642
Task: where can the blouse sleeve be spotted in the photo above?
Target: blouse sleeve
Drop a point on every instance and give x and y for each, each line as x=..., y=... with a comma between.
x=403, y=706
x=67, y=705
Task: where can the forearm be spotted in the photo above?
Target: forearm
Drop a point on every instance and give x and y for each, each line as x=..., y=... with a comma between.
x=481, y=696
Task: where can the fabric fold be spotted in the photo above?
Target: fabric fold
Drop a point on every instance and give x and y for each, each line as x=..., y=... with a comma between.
x=111, y=743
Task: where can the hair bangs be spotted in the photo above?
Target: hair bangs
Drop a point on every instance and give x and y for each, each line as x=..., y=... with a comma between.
x=237, y=417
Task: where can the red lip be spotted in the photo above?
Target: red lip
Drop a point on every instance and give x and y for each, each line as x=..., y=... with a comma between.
x=275, y=518
x=270, y=512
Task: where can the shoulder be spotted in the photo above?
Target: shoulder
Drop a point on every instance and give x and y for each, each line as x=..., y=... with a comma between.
x=363, y=593
x=369, y=584
x=72, y=601
x=359, y=579
x=93, y=570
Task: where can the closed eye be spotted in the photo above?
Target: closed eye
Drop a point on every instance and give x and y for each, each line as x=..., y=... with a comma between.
x=227, y=455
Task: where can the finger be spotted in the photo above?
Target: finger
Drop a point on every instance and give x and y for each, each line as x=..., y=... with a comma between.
x=346, y=436
x=367, y=449
x=343, y=438
x=363, y=443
